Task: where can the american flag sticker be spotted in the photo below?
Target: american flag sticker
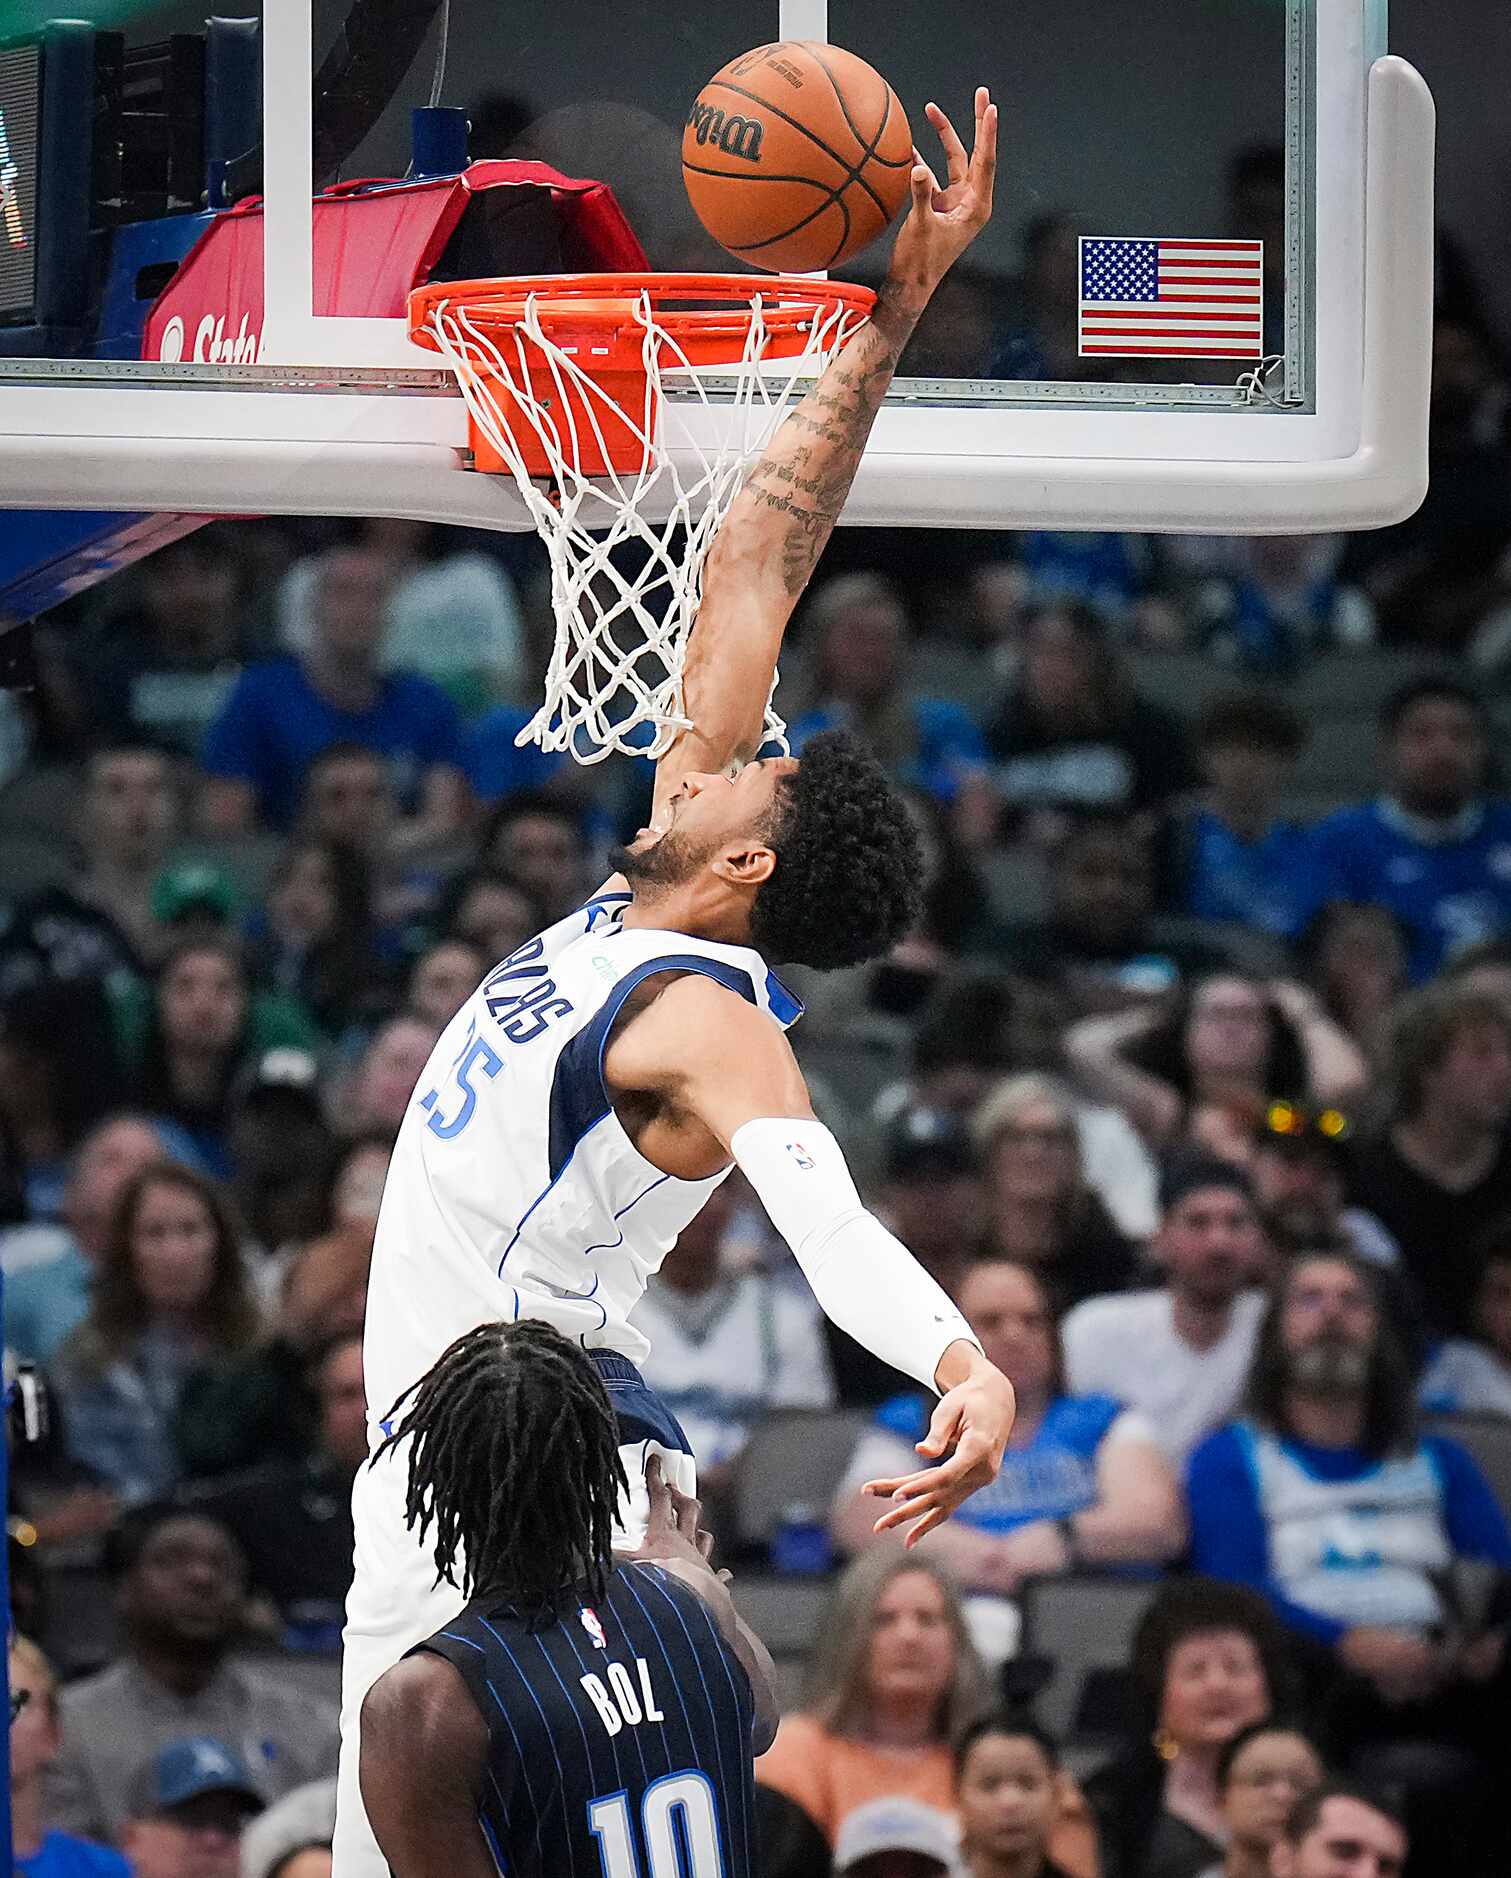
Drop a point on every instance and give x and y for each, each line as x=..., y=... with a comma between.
x=1163, y=299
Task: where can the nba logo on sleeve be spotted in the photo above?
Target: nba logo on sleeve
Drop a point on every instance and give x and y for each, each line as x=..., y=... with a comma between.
x=801, y=1155
x=588, y=1618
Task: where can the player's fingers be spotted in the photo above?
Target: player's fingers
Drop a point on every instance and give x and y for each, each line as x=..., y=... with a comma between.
x=922, y=183
x=705, y=1543
x=984, y=158
x=661, y=1514
x=956, y=160
x=904, y=1512
x=936, y=1517
x=686, y=1512
x=944, y=1428
x=904, y=1487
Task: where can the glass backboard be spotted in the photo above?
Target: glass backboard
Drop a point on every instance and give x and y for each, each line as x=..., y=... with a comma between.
x=204, y=297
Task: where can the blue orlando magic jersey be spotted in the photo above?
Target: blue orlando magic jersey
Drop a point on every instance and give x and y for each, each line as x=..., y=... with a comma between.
x=513, y=1189
x=619, y=1735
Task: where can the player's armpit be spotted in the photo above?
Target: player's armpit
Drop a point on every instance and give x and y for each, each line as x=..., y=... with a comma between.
x=712, y=1055
x=424, y=1753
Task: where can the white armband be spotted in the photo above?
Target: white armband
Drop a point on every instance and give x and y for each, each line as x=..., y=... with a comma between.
x=866, y=1280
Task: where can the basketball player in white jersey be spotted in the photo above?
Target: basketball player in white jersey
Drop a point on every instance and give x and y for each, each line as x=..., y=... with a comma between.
x=583, y=1103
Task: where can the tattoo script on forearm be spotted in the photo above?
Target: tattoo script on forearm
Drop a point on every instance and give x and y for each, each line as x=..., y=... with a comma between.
x=806, y=476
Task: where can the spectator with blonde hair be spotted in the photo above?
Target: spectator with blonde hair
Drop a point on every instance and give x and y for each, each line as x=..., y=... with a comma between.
x=1040, y=1208
x=171, y=1299
x=36, y=1737
x=892, y=1681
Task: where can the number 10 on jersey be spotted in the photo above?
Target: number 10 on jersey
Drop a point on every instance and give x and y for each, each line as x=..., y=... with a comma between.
x=679, y=1819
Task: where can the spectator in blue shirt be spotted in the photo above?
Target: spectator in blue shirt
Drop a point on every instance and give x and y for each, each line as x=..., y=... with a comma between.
x=862, y=633
x=1434, y=847
x=1082, y=1481
x=1241, y=860
x=1325, y=1498
x=35, y=1738
x=286, y=710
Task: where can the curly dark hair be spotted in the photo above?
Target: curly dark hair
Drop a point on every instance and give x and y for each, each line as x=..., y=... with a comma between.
x=849, y=864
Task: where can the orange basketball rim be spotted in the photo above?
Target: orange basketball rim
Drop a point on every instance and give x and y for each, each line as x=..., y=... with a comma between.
x=621, y=333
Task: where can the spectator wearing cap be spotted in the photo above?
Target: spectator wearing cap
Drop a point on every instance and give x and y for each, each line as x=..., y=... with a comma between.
x=314, y=940
x=170, y=1297
x=292, y=1516
x=1181, y=1353
x=185, y=1040
x=898, y=1838
x=49, y=1269
x=1298, y=1163
x=1040, y=1208
x=1226, y=1040
x=1324, y=1497
x=1440, y=1172
x=292, y=1839
x=35, y=1741
x=930, y=1195
x=1238, y=859
x=286, y=710
x=181, y=1588
x=975, y=1030
x=1434, y=846
x=1082, y=1481
x=193, y=900
x=1472, y=1375
x=1008, y=1787
x=188, y=1808
x=281, y=1148
x=101, y=921
x=727, y=1346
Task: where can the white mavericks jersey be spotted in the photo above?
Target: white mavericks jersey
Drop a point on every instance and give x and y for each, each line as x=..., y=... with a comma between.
x=513, y=1190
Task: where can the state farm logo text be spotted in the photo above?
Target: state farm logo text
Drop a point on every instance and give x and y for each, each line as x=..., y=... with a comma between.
x=212, y=344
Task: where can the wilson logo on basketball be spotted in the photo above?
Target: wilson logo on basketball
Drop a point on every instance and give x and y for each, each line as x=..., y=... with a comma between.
x=735, y=136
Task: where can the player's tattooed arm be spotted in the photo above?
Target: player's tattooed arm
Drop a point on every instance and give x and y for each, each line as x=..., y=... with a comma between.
x=765, y=552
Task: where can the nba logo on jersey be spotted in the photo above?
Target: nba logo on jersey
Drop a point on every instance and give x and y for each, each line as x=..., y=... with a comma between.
x=589, y=1621
x=801, y=1155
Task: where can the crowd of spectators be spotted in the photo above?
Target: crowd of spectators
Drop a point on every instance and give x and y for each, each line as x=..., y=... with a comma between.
x=1195, y=1091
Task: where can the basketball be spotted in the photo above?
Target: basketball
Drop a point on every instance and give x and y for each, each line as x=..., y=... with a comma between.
x=796, y=156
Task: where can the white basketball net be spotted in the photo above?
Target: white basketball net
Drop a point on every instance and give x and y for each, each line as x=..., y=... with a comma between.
x=622, y=618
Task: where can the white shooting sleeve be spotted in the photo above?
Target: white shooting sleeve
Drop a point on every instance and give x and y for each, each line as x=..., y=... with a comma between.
x=866, y=1280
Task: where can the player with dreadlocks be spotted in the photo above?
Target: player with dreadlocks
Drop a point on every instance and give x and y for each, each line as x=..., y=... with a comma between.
x=582, y=1104
x=554, y=1718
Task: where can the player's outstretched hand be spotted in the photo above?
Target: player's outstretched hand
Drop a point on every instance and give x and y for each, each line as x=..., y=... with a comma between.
x=942, y=223
x=969, y=1427
x=672, y=1532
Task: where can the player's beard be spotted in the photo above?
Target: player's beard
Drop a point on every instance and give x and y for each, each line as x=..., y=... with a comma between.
x=666, y=863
